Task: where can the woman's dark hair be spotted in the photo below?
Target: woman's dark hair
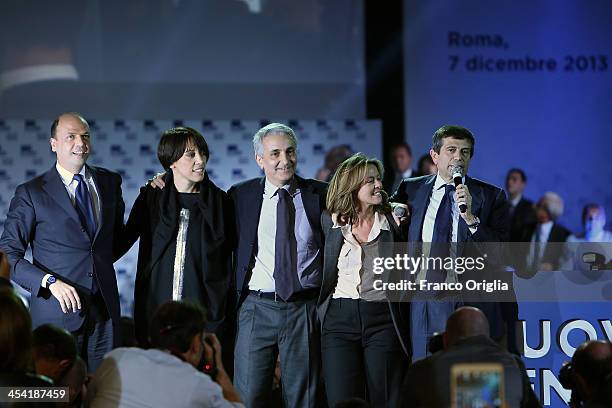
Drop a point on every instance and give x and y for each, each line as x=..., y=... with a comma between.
x=175, y=324
x=15, y=333
x=175, y=141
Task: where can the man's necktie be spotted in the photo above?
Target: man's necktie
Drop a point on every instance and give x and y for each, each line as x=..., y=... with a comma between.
x=535, y=262
x=84, y=207
x=442, y=233
x=285, y=248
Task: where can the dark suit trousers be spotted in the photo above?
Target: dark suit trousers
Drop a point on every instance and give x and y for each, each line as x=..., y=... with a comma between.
x=95, y=337
x=267, y=328
x=362, y=356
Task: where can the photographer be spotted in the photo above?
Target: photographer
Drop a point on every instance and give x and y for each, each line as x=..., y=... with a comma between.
x=167, y=375
x=589, y=375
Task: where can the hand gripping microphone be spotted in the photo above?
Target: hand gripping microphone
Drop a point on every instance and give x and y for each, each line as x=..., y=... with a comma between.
x=457, y=175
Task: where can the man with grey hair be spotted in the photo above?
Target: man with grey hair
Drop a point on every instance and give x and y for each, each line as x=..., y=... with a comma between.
x=541, y=256
x=278, y=274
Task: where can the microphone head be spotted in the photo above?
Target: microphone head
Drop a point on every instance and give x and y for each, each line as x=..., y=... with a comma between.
x=399, y=211
x=456, y=171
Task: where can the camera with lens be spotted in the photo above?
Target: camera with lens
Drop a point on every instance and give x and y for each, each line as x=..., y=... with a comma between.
x=566, y=375
x=596, y=261
x=436, y=342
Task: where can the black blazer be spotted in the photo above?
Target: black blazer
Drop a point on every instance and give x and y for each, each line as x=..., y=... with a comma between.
x=154, y=207
x=552, y=253
x=247, y=198
x=400, y=311
x=42, y=216
x=522, y=217
x=427, y=382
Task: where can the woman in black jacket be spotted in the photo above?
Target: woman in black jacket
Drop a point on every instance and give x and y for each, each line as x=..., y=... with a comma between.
x=185, y=235
x=364, y=336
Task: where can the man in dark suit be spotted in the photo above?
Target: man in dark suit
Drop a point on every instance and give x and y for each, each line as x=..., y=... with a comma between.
x=401, y=163
x=69, y=217
x=520, y=209
x=278, y=274
x=466, y=340
x=436, y=218
x=545, y=251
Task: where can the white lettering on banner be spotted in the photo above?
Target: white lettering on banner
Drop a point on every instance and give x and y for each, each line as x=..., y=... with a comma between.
x=583, y=325
x=606, y=326
x=545, y=377
x=543, y=346
x=548, y=381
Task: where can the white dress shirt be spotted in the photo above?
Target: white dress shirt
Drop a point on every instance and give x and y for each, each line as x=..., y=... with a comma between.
x=262, y=277
x=133, y=377
x=437, y=194
x=349, y=261
x=544, y=230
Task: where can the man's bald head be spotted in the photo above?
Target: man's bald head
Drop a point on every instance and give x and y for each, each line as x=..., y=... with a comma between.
x=466, y=322
x=593, y=360
x=67, y=116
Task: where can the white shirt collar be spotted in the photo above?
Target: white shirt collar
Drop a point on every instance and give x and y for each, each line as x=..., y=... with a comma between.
x=270, y=189
x=26, y=75
x=407, y=173
x=545, y=230
x=66, y=175
x=440, y=182
x=516, y=200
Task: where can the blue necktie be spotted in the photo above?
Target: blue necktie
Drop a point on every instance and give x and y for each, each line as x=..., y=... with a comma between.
x=285, y=248
x=442, y=233
x=84, y=207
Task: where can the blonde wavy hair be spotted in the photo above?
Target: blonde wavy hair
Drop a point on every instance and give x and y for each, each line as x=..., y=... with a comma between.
x=346, y=182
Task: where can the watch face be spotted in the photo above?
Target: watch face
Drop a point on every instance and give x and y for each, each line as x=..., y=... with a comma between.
x=51, y=280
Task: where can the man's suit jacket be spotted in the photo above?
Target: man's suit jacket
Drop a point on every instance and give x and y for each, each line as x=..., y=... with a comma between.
x=400, y=311
x=489, y=205
x=427, y=382
x=42, y=216
x=247, y=198
x=522, y=216
x=552, y=253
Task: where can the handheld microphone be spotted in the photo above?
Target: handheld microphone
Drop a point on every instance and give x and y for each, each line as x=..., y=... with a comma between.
x=399, y=211
x=457, y=175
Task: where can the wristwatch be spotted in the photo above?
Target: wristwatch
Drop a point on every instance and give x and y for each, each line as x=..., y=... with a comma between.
x=51, y=280
x=475, y=224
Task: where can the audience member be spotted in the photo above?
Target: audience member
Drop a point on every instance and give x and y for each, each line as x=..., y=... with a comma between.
x=592, y=238
x=593, y=225
x=167, y=375
x=76, y=381
x=333, y=158
x=5, y=271
x=54, y=350
x=544, y=252
x=401, y=163
x=426, y=166
x=16, y=343
x=589, y=375
x=466, y=340
x=521, y=209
